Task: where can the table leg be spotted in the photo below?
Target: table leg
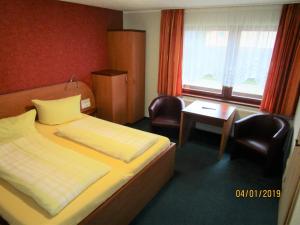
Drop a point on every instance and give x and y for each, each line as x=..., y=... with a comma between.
x=182, y=129
x=186, y=123
x=225, y=134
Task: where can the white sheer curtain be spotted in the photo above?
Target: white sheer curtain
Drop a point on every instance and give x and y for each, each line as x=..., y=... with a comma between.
x=229, y=47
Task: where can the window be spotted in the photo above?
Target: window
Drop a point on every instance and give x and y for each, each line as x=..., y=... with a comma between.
x=204, y=74
x=227, y=51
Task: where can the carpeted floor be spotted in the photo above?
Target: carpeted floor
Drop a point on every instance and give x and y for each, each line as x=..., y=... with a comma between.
x=202, y=191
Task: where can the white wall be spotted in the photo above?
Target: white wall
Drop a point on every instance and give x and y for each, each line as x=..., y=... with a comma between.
x=149, y=21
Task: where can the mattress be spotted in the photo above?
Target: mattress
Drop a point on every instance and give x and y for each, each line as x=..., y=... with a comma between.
x=131, y=168
x=17, y=208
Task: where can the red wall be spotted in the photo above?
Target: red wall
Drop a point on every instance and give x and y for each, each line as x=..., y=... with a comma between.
x=44, y=42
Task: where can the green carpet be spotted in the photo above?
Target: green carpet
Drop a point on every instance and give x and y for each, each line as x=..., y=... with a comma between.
x=202, y=190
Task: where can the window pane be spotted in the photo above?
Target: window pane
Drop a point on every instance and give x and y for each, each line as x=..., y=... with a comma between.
x=204, y=60
x=252, y=63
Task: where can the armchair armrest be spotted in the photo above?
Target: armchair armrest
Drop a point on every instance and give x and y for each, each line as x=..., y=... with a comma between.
x=182, y=104
x=278, y=139
x=283, y=127
x=277, y=142
x=280, y=134
x=153, y=109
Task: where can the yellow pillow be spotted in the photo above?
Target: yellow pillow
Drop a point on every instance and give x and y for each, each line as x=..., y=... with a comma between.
x=58, y=111
x=16, y=126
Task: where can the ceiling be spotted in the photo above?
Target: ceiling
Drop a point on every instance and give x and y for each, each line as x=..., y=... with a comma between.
x=129, y=5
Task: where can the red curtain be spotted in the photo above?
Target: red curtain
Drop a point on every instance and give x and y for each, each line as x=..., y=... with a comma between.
x=170, y=52
x=282, y=86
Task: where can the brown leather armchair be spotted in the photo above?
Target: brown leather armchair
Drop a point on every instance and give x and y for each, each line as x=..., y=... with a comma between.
x=164, y=111
x=263, y=134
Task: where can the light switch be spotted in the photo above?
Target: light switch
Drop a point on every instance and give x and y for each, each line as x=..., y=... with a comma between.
x=85, y=103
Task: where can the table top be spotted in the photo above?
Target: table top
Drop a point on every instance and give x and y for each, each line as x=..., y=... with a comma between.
x=209, y=109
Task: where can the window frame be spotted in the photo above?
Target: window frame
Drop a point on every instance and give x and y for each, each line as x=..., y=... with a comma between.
x=226, y=94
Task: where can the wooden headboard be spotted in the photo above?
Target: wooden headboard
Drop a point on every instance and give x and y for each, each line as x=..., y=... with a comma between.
x=19, y=102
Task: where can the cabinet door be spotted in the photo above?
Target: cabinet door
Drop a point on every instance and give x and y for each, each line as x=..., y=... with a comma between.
x=111, y=97
x=127, y=52
x=103, y=97
x=119, y=99
x=290, y=189
x=137, y=86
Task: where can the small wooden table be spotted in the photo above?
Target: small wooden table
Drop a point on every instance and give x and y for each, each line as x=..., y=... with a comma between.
x=217, y=114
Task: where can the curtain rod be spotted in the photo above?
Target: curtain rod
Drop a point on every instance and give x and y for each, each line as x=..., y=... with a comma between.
x=204, y=7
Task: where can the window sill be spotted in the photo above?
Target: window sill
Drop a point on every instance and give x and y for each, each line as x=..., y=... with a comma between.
x=221, y=100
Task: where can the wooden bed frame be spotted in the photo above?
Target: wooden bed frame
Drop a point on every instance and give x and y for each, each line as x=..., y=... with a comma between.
x=131, y=198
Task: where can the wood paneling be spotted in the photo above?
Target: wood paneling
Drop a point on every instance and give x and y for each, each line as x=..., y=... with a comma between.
x=127, y=52
x=110, y=89
x=19, y=102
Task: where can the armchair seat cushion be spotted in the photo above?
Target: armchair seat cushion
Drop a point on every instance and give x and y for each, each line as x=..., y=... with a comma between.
x=165, y=120
x=259, y=145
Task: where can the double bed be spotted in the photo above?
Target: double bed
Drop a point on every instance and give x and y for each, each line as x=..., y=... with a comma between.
x=115, y=198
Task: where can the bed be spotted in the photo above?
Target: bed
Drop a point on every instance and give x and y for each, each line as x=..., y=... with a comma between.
x=116, y=199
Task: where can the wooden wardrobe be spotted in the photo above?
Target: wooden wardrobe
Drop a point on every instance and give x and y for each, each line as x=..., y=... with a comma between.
x=127, y=52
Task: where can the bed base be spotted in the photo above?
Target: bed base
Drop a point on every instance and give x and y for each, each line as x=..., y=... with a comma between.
x=127, y=202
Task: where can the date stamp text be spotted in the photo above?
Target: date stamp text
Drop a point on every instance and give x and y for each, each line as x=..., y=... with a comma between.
x=257, y=193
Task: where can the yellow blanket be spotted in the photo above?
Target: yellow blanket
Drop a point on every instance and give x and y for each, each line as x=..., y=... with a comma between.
x=112, y=139
x=49, y=173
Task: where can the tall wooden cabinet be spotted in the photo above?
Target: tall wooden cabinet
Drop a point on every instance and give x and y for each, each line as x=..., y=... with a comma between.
x=127, y=52
x=110, y=89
